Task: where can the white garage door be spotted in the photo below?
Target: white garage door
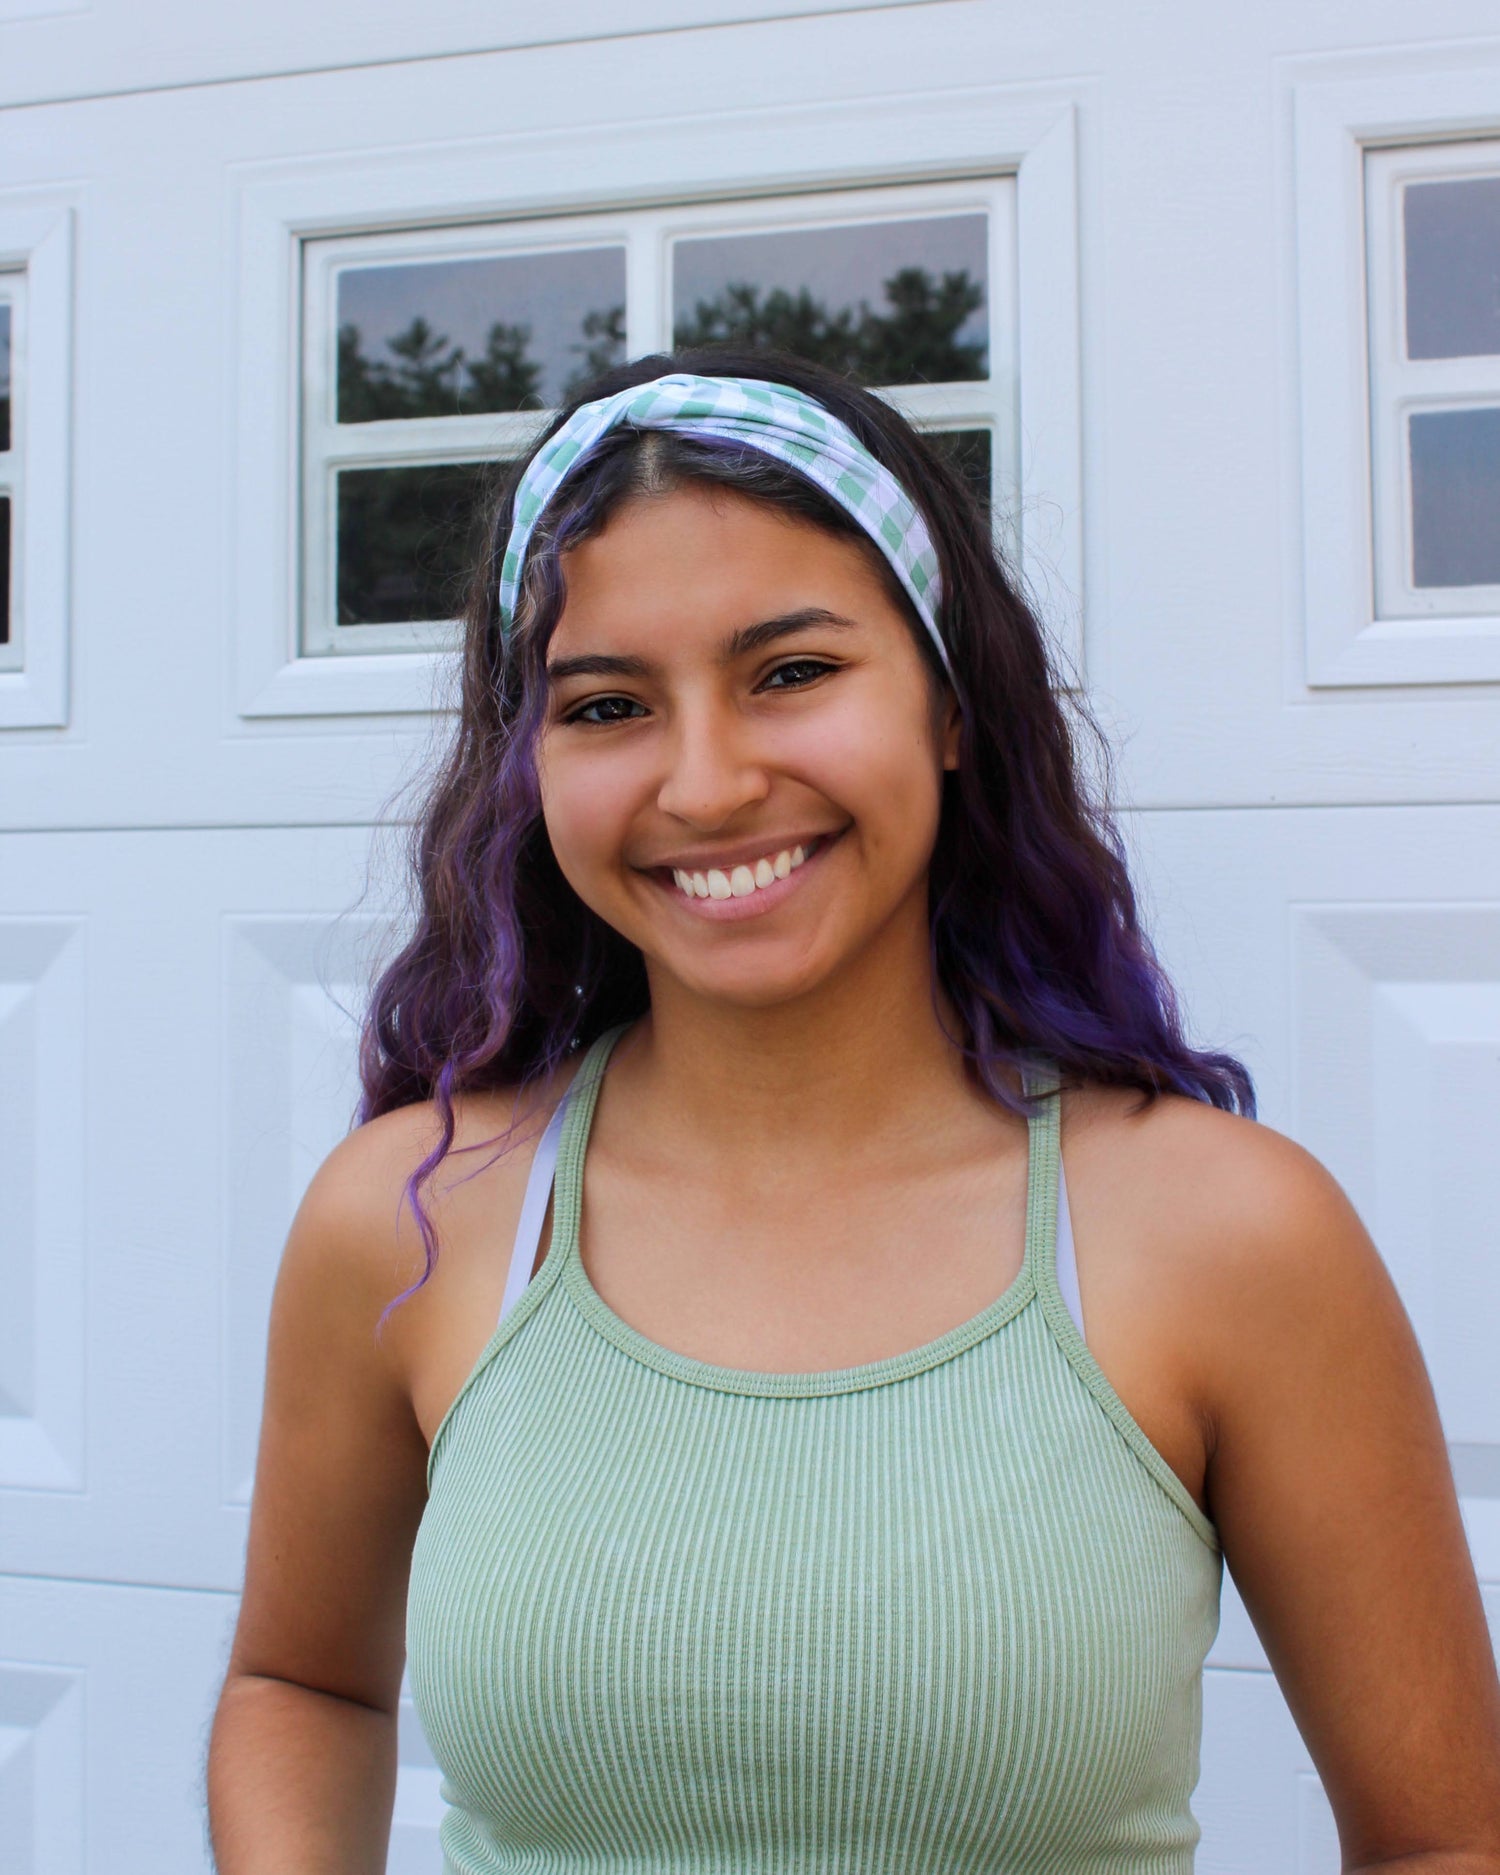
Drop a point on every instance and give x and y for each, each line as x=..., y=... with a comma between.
x=1211, y=311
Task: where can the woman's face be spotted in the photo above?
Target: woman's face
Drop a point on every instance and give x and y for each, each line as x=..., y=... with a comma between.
x=742, y=761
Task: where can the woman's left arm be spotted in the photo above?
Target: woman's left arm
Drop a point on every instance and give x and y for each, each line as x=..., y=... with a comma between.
x=1330, y=1485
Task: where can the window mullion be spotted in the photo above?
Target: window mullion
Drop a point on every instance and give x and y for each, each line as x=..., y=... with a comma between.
x=1445, y=380
x=433, y=439
x=648, y=300
x=945, y=404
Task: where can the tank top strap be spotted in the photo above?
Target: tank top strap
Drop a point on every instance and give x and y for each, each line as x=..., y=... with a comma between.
x=1041, y=1077
x=567, y=1192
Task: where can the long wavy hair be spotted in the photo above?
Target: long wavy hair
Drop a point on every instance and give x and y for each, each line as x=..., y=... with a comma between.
x=1036, y=938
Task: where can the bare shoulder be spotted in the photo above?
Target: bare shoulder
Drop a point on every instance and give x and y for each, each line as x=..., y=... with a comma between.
x=355, y=1228
x=1245, y=1246
x=1229, y=1195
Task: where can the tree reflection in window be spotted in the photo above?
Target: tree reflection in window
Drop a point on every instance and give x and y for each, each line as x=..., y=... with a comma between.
x=408, y=540
x=4, y=569
x=4, y=377
x=419, y=372
x=5, y=499
x=971, y=453
x=915, y=341
x=887, y=302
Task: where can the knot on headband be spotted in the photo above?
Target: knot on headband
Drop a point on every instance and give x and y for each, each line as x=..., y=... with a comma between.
x=775, y=419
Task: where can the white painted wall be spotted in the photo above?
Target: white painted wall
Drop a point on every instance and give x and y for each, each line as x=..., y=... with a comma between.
x=1317, y=818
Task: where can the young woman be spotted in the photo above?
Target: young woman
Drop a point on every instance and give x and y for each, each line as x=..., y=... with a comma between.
x=842, y=1488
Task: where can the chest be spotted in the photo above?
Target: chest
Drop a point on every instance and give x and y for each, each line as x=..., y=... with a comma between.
x=808, y=1274
x=851, y=1271
x=953, y=1606
x=786, y=1275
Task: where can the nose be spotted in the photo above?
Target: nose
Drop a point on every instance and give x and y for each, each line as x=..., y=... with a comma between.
x=712, y=769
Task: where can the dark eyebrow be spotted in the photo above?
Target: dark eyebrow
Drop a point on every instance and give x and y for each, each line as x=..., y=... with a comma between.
x=596, y=666
x=747, y=638
x=755, y=637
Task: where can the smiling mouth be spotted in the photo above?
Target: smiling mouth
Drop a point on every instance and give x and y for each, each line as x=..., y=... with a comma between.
x=749, y=878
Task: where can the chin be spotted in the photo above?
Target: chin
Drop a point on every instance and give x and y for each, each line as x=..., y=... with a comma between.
x=750, y=988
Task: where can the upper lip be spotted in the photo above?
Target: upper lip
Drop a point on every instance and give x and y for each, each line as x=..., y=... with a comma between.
x=726, y=858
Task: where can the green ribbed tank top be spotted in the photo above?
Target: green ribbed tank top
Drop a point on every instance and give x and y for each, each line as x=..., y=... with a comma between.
x=940, y=1613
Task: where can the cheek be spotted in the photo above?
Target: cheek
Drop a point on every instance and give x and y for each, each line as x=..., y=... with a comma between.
x=586, y=813
x=882, y=767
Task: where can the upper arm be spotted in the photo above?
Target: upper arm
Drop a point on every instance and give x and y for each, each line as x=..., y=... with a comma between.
x=1330, y=1484
x=340, y=1475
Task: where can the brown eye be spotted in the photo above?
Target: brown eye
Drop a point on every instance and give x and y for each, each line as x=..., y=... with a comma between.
x=796, y=672
x=604, y=710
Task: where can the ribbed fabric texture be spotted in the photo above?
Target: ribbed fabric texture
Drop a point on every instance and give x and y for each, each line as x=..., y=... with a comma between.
x=935, y=1614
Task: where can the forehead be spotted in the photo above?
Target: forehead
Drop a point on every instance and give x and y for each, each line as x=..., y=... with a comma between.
x=701, y=558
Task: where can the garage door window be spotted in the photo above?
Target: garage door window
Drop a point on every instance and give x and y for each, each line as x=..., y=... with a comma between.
x=1434, y=308
x=433, y=357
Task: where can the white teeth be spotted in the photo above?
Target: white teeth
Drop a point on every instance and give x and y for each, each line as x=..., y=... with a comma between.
x=739, y=881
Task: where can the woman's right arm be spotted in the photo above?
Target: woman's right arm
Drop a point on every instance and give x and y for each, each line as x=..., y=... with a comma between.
x=302, y=1759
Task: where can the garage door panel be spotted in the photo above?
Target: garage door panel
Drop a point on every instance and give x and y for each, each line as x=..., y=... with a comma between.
x=105, y=1699
x=1361, y=948
x=204, y=1063
x=1259, y=1802
x=42, y=1350
x=292, y=993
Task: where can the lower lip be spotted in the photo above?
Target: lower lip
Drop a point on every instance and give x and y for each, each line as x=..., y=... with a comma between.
x=764, y=898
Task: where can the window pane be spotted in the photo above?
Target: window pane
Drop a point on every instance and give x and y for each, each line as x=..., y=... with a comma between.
x=446, y=338
x=4, y=569
x=4, y=375
x=1455, y=483
x=971, y=452
x=891, y=302
x=1453, y=268
x=408, y=540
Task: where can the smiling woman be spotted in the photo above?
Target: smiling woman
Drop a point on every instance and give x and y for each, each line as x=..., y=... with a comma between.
x=741, y=725
x=727, y=1445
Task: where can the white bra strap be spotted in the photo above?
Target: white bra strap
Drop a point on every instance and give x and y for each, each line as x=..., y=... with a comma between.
x=533, y=1210
x=1067, y=1262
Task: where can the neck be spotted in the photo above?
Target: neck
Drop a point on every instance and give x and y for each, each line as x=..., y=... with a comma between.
x=858, y=1059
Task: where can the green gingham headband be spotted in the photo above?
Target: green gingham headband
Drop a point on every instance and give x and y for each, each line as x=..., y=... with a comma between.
x=773, y=418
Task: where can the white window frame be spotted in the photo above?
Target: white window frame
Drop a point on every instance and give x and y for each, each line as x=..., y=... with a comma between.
x=329, y=446
x=1340, y=124
x=36, y=262
x=1402, y=386
x=617, y=174
x=646, y=238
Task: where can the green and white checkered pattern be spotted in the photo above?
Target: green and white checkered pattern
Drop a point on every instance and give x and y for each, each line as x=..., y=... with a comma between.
x=773, y=418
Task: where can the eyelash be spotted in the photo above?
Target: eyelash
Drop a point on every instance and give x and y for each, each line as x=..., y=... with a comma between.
x=818, y=666
x=580, y=715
